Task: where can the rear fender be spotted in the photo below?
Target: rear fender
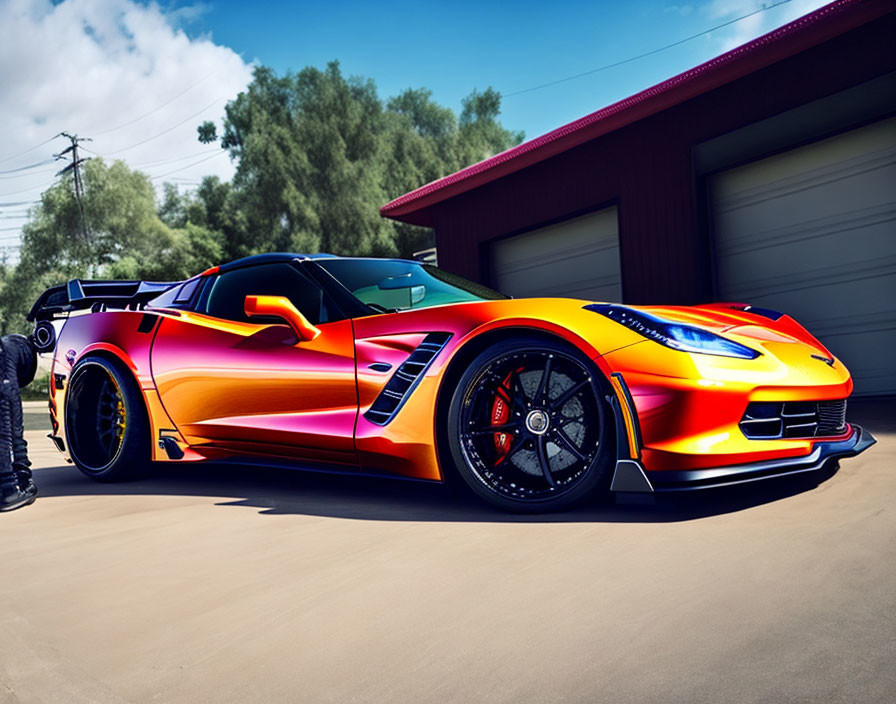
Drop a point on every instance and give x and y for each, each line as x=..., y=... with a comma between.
x=116, y=336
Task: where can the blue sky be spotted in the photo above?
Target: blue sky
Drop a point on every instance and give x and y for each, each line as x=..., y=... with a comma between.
x=453, y=47
x=137, y=77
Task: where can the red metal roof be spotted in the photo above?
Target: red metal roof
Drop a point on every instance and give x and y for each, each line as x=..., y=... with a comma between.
x=803, y=33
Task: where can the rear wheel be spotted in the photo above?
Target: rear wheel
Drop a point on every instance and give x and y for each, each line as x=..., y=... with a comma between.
x=105, y=423
x=528, y=427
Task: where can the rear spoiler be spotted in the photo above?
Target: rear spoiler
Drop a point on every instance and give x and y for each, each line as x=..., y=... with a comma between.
x=80, y=294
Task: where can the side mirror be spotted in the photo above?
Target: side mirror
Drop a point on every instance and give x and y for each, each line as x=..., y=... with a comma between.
x=281, y=307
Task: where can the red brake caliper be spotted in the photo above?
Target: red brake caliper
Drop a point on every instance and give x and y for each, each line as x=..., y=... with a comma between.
x=500, y=414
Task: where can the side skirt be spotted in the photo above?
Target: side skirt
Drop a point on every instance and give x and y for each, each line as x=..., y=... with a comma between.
x=315, y=467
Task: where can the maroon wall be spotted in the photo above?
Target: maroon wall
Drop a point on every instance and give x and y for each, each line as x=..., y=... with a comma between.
x=646, y=169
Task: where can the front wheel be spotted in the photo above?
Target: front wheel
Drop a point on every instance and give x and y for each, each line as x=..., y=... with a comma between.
x=528, y=427
x=105, y=423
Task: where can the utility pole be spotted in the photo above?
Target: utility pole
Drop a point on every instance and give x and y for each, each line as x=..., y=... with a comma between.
x=75, y=168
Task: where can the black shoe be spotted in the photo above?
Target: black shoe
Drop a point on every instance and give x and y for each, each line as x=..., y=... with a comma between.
x=25, y=479
x=28, y=487
x=11, y=497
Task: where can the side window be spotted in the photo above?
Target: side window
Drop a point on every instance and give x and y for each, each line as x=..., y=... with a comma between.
x=227, y=296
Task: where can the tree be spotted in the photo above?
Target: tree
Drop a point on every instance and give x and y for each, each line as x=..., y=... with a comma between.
x=306, y=147
x=126, y=238
x=481, y=134
x=317, y=154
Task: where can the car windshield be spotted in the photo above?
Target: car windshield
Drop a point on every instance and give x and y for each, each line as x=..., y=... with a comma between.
x=399, y=285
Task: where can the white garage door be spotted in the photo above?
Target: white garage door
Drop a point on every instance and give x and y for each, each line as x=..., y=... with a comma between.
x=812, y=232
x=576, y=258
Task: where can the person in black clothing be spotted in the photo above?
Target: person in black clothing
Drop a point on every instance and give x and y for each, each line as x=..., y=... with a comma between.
x=18, y=364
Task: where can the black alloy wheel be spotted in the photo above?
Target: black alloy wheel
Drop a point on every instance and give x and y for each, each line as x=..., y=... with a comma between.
x=528, y=426
x=105, y=422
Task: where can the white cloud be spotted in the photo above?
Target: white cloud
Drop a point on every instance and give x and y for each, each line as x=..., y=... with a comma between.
x=777, y=13
x=118, y=71
x=683, y=10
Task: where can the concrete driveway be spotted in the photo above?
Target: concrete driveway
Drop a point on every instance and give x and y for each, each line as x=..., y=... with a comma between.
x=228, y=586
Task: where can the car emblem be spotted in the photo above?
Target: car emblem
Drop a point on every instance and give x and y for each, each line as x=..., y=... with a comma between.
x=827, y=360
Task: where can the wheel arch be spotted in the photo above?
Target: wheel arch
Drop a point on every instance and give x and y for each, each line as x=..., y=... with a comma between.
x=468, y=350
x=118, y=358
x=113, y=353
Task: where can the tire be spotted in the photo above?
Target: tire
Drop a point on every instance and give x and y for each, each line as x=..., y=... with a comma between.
x=106, y=427
x=529, y=429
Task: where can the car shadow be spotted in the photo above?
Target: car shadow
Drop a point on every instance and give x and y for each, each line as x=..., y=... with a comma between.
x=283, y=492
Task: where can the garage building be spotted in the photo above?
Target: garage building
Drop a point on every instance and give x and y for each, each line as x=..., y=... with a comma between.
x=766, y=175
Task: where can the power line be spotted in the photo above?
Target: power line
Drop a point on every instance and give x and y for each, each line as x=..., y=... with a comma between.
x=173, y=127
x=19, y=202
x=164, y=162
x=15, y=193
x=647, y=53
x=36, y=173
x=18, y=172
x=5, y=159
x=113, y=129
x=182, y=168
x=30, y=166
x=154, y=111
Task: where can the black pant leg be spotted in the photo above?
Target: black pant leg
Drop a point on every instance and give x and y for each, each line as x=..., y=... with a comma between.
x=7, y=473
x=20, y=462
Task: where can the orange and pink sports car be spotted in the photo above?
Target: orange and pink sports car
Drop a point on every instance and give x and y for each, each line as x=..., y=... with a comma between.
x=399, y=368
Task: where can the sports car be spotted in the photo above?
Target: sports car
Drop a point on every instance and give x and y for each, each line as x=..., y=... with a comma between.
x=399, y=368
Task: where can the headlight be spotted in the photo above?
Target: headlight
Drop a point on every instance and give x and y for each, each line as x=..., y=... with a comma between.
x=686, y=338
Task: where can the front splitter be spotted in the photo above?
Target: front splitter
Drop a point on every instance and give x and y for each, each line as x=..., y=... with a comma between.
x=630, y=475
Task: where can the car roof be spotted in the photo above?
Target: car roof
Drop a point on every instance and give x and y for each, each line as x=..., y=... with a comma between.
x=271, y=257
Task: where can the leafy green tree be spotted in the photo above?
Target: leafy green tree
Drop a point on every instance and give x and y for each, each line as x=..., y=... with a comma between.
x=123, y=237
x=174, y=206
x=214, y=206
x=306, y=147
x=481, y=134
x=318, y=153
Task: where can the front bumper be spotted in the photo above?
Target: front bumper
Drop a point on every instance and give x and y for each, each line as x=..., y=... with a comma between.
x=630, y=475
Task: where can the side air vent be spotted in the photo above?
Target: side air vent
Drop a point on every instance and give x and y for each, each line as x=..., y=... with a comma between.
x=405, y=379
x=794, y=419
x=147, y=323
